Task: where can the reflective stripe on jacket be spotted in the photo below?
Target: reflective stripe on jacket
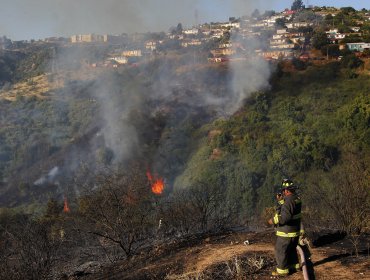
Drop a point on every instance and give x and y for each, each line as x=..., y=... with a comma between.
x=289, y=219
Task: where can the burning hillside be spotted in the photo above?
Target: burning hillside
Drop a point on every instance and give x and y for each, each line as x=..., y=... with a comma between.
x=157, y=183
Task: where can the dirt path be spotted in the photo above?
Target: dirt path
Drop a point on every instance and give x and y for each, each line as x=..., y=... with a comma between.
x=327, y=265
x=211, y=254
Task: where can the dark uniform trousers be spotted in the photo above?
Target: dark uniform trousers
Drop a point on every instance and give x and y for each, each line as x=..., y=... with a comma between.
x=286, y=254
x=288, y=222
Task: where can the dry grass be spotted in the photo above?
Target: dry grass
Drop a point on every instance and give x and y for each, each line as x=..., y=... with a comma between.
x=236, y=268
x=367, y=66
x=37, y=86
x=187, y=276
x=42, y=86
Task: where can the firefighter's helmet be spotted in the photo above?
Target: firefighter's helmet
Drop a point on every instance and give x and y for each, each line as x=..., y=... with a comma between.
x=288, y=184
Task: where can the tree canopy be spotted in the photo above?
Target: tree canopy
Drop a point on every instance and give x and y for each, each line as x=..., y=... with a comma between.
x=297, y=5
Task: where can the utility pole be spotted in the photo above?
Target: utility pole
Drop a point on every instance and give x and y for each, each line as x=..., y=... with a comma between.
x=196, y=16
x=327, y=52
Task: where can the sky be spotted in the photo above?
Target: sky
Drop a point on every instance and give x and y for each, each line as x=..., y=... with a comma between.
x=37, y=19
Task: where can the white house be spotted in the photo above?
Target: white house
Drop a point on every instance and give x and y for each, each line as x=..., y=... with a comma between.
x=231, y=25
x=360, y=47
x=278, y=41
x=192, y=31
x=191, y=43
x=119, y=59
x=226, y=45
x=151, y=45
x=132, y=53
x=277, y=36
x=355, y=29
x=298, y=24
x=332, y=31
x=281, y=31
x=283, y=46
x=217, y=33
x=259, y=24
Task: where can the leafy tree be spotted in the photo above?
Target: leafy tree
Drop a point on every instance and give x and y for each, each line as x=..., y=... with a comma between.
x=342, y=28
x=352, y=39
x=280, y=23
x=366, y=52
x=329, y=18
x=319, y=39
x=297, y=5
x=256, y=14
x=351, y=61
x=299, y=64
x=179, y=29
x=307, y=16
x=269, y=13
x=347, y=10
x=330, y=50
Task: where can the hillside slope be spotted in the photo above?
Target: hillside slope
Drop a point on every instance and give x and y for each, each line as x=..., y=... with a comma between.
x=226, y=256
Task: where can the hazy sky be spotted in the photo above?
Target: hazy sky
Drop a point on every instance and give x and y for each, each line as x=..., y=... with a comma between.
x=34, y=19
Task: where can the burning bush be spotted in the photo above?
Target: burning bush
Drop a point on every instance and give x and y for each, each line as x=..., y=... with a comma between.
x=121, y=211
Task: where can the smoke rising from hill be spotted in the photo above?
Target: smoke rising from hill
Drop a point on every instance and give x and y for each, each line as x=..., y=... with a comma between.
x=44, y=18
x=181, y=87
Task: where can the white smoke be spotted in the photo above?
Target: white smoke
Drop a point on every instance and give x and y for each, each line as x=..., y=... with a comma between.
x=45, y=18
x=116, y=100
x=249, y=75
x=119, y=135
x=48, y=178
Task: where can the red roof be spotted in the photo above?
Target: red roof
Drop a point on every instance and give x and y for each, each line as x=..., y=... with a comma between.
x=289, y=12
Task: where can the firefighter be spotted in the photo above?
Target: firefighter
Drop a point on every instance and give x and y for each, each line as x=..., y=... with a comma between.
x=287, y=220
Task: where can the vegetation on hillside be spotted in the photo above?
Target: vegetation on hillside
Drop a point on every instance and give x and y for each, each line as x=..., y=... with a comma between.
x=92, y=142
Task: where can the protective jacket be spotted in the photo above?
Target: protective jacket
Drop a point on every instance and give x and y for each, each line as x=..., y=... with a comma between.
x=288, y=219
x=288, y=224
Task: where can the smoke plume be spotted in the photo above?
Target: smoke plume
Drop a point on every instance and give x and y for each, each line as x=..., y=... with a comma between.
x=45, y=18
x=181, y=87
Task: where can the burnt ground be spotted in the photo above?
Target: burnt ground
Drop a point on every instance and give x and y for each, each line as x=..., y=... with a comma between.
x=228, y=256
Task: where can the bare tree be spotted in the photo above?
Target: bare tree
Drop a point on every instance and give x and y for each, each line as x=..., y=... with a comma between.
x=28, y=250
x=200, y=208
x=121, y=210
x=344, y=197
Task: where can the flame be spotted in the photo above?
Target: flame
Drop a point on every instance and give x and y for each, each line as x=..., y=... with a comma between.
x=149, y=176
x=157, y=184
x=66, y=207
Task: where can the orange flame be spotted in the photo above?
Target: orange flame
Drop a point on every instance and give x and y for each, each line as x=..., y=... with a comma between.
x=149, y=176
x=157, y=184
x=66, y=207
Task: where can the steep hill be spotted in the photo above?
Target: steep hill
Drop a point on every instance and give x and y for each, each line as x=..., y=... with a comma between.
x=231, y=256
x=83, y=148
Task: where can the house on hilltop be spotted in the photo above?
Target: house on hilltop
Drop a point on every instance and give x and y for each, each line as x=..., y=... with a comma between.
x=132, y=53
x=359, y=47
x=119, y=59
x=87, y=38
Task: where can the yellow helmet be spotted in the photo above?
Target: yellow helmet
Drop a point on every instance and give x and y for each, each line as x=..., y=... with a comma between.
x=288, y=184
